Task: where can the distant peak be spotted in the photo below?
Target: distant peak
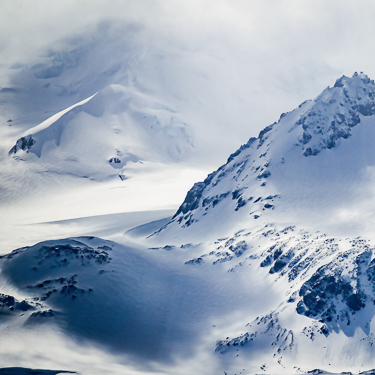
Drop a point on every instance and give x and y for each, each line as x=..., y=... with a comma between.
x=355, y=80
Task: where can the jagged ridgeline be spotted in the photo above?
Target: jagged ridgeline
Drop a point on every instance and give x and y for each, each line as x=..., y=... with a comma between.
x=315, y=153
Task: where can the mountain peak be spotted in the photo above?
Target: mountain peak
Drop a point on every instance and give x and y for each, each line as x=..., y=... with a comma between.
x=305, y=161
x=355, y=80
x=333, y=114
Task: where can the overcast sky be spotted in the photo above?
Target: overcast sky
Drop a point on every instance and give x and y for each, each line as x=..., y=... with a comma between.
x=286, y=51
x=336, y=34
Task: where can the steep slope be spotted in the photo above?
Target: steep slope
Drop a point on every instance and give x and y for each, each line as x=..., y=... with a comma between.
x=261, y=269
x=274, y=206
x=315, y=166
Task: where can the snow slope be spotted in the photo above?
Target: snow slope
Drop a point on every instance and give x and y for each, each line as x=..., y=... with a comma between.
x=314, y=167
x=97, y=137
x=184, y=79
x=266, y=267
x=131, y=301
x=148, y=121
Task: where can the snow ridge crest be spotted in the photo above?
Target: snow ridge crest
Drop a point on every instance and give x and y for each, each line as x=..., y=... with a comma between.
x=315, y=126
x=334, y=113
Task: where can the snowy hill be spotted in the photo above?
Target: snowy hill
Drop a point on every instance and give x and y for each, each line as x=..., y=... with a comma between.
x=266, y=267
x=96, y=119
x=176, y=86
x=110, y=104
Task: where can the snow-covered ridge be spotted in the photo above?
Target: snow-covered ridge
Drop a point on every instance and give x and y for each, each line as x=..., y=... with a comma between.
x=310, y=151
x=335, y=112
x=100, y=135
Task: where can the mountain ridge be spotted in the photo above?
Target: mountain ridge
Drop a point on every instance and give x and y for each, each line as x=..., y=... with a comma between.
x=267, y=266
x=115, y=126
x=277, y=164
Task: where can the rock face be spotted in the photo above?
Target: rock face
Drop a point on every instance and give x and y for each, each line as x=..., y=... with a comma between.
x=24, y=143
x=329, y=281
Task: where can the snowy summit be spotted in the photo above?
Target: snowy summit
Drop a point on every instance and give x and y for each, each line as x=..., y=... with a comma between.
x=312, y=166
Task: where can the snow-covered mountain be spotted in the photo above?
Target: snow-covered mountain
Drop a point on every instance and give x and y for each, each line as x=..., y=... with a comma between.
x=313, y=167
x=266, y=267
x=159, y=96
x=99, y=136
x=99, y=116
x=312, y=170
x=95, y=119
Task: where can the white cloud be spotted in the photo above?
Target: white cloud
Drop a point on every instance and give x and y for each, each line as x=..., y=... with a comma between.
x=264, y=57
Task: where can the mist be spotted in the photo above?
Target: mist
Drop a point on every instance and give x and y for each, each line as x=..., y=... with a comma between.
x=269, y=55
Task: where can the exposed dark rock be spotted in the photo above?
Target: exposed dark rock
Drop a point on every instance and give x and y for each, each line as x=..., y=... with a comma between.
x=11, y=304
x=355, y=302
x=114, y=160
x=195, y=261
x=239, y=248
x=311, y=151
x=243, y=147
x=271, y=258
x=323, y=291
x=193, y=196
x=24, y=143
x=241, y=202
x=305, y=137
x=265, y=174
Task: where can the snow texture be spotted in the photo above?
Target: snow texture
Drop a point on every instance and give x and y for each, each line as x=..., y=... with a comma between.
x=267, y=265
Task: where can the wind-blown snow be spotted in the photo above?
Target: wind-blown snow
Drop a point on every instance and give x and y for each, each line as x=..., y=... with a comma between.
x=46, y=123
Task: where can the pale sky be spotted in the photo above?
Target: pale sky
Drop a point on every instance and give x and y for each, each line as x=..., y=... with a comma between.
x=274, y=54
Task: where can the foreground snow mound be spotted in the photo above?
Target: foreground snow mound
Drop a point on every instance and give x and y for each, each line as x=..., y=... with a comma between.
x=262, y=299
x=315, y=165
x=38, y=270
x=127, y=300
x=99, y=136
